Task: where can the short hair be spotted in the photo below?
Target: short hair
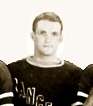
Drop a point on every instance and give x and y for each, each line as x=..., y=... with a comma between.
x=51, y=16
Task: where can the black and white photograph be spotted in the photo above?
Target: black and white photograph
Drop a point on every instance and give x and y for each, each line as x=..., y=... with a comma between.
x=46, y=54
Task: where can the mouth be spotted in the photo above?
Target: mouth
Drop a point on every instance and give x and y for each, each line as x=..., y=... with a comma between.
x=47, y=45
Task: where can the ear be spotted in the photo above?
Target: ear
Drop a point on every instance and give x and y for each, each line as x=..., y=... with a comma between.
x=32, y=35
x=61, y=37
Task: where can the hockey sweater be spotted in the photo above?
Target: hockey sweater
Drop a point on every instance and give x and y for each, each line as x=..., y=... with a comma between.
x=6, y=94
x=86, y=85
x=39, y=86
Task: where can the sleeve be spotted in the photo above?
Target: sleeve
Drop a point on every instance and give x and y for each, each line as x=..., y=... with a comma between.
x=76, y=81
x=6, y=94
x=85, y=85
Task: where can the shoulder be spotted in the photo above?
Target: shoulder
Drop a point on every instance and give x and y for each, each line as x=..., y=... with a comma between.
x=6, y=93
x=86, y=81
x=5, y=78
x=89, y=68
x=18, y=67
x=72, y=66
x=2, y=66
x=17, y=64
x=88, y=73
x=4, y=72
x=73, y=70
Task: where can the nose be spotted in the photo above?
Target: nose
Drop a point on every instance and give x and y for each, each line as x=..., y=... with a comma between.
x=47, y=38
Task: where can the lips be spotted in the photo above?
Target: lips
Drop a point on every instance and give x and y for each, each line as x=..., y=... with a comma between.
x=47, y=45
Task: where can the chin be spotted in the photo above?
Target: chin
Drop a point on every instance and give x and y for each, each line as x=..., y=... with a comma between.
x=48, y=53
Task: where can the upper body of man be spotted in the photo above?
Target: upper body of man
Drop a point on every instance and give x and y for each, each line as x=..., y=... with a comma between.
x=43, y=79
x=6, y=94
x=55, y=85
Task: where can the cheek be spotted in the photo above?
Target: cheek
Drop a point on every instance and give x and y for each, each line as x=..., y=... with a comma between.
x=38, y=39
x=56, y=41
x=39, y=42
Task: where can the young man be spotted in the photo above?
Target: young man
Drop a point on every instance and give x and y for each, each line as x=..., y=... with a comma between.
x=43, y=79
x=6, y=94
x=85, y=93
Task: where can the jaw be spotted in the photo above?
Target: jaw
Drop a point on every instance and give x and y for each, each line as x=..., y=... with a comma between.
x=45, y=52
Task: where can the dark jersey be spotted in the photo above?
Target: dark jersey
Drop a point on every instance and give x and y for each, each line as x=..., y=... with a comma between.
x=6, y=93
x=39, y=86
x=86, y=84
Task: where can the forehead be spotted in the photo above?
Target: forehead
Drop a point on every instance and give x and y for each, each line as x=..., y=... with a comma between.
x=48, y=25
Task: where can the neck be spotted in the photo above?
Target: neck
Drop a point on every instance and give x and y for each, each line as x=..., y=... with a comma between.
x=31, y=61
x=44, y=59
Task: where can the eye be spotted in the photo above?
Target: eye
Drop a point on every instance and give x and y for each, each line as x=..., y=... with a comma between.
x=54, y=33
x=42, y=32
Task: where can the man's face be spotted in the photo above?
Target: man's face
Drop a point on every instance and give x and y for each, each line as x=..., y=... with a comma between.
x=47, y=37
